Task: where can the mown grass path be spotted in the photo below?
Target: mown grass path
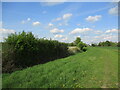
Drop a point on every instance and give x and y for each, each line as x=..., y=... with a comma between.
x=96, y=68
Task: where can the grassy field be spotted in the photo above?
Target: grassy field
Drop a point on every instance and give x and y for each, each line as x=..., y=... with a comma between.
x=95, y=68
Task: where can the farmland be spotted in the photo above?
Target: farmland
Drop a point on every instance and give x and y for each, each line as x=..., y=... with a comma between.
x=95, y=68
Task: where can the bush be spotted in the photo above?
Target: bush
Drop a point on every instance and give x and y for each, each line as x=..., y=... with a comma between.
x=71, y=44
x=23, y=50
x=93, y=45
x=7, y=58
x=81, y=45
x=84, y=49
x=118, y=44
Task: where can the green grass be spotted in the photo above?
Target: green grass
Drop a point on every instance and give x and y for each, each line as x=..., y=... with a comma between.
x=96, y=68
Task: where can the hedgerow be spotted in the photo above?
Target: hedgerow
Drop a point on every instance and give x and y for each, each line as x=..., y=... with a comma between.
x=24, y=50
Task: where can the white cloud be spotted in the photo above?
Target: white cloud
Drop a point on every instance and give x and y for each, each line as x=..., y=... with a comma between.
x=104, y=37
x=99, y=38
x=93, y=18
x=64, y=39
x=64, y=17
x=58, y=36
x=67, y=16
x=6, y=31
x=36, y=23
x=112, y=31
x=56, y=30
x=57, y=19
x=98, y=32
x=113, y=11
x=50, y=25
x=80, y=30
x=63, y=23
x=107, y=38
x=111, y=37
x=52, y=2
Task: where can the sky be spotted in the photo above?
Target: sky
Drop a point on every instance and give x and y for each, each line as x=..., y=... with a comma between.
x=93, y=22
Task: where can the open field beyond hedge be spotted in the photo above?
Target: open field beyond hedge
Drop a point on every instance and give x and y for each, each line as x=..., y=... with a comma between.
x=95, y=68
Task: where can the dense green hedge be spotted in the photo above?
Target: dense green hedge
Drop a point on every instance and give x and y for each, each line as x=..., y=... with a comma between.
x=24, y=50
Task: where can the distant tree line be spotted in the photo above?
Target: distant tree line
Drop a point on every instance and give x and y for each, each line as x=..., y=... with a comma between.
x=107, y=43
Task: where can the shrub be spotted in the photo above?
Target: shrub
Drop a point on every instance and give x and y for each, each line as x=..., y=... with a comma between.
x=72, y=44
x=93, y=45
x=7, y=58
x=81, y=45
x=24, y=50
x=84, y=49
x=118, y=44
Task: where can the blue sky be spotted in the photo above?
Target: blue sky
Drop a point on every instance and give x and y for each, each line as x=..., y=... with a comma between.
x=92, y=21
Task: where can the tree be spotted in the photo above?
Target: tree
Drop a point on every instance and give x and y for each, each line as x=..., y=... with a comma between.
x=78, y=39
x=118, y=44
x=107, y=43
x=81, y=45
x=71, y=44
x=93, y=45
x=100, y=44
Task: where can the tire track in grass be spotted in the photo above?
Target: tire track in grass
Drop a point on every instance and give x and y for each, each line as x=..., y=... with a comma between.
x=108, y=66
